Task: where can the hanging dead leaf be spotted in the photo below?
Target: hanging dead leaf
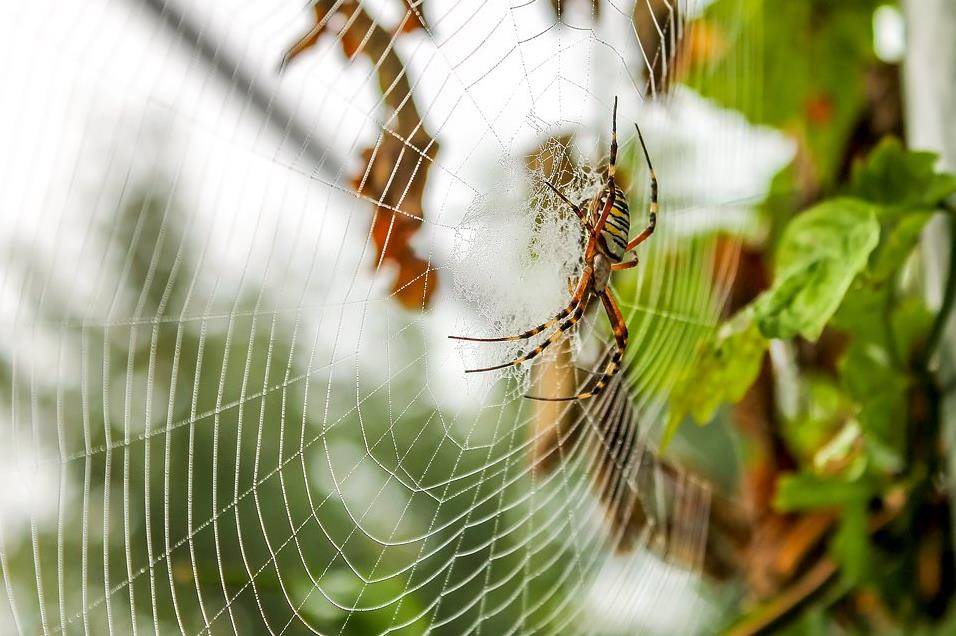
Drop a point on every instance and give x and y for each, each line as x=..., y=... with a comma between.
x=394, y=178
x=414, y=17
x=395, y=170
x=326, y=20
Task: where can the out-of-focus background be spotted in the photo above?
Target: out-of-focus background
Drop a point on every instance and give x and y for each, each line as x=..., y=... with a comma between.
x=235, y=239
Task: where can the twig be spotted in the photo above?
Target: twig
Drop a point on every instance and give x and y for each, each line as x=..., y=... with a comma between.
x=246, y=84
x=783, y=603
x=808, y=584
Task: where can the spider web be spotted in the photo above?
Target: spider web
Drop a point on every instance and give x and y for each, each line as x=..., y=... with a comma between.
x=221, y=413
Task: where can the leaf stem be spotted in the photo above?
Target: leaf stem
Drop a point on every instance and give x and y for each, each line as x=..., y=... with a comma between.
x=949, y=294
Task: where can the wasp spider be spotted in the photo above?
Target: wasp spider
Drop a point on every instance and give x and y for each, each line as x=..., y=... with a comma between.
x=606, y=221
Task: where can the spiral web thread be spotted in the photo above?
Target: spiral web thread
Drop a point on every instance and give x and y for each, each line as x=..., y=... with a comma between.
x=217, y=416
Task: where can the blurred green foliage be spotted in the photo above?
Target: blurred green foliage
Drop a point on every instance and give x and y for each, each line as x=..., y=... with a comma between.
x=195, y=472
x=808, y=75
x=818, y=257
x=197, y=486
x=726, y=365
x=865, y=433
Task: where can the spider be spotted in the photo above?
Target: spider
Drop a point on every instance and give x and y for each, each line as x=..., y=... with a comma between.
x=606, y=221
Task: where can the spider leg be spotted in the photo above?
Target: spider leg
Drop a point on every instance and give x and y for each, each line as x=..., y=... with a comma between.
x=612, y=158
x=569, y=322
x=576, y=299
x=652, y=222
x=616, y=267
x=619, y=327
x=609, y=187
x=577, y=209
x=614, y=364
x=644, y=235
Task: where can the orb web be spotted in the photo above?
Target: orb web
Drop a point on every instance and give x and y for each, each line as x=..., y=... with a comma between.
x=230, y=402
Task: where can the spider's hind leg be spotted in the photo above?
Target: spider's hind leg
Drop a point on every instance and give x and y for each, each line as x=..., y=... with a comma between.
x=614, y=364
x=530, y=333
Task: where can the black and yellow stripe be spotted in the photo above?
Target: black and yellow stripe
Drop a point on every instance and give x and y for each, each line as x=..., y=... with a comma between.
x=610, y=370
x=613, y=240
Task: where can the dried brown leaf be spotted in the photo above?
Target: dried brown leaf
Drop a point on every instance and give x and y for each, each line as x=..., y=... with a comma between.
x=395, y=170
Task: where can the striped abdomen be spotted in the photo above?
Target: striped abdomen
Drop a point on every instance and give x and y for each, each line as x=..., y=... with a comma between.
x=613, y=239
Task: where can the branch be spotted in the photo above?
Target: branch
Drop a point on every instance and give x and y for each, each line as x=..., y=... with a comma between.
x=245, y=84
x=815, y=578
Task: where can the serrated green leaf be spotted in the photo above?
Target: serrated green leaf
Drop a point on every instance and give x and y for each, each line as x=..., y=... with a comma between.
x=911, y=322
x=871, y=315
x=824, y=408
x=726, y=365
x=901, y=180
x=861, y=303
x=899, y=240
x=806, y=491
x=820, y=253
x=869, y=375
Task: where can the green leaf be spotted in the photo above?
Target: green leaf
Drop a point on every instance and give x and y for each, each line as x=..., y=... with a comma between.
x=900, y=179
x=850, y=546
x=861, y=305
x=812, y=622
x=727, y=364
x=901, y=238
x=911, y=322
x=824, y=408
x=817, y=95
x=820, y=253
x=806, y=491
x=870, y=376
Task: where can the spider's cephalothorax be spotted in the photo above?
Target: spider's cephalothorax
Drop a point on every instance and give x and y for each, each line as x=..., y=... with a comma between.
x=606, y=222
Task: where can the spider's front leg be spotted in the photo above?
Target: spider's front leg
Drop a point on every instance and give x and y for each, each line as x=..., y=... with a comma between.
x=569, y=317
x=652, y=208
x=576, y=208
x=611, y=190
x=643, y=236
x=576, y=298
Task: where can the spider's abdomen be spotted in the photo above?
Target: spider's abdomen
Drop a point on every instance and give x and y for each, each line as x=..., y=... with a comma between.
x=613, y=240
